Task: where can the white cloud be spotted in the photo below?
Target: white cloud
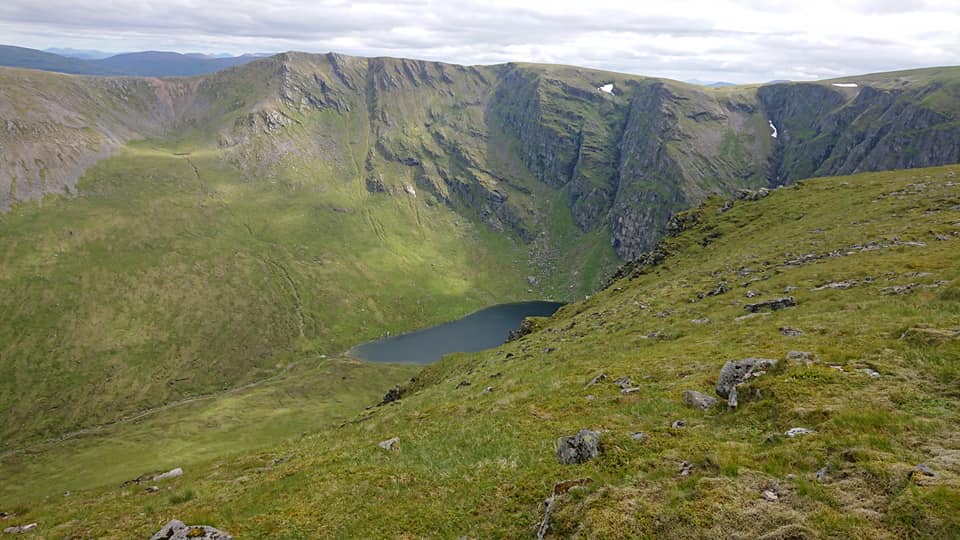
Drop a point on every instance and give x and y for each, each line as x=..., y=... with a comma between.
x=739, y=41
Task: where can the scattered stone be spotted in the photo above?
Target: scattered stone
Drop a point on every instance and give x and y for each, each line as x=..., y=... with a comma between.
x=686, y=468
x=899, y=289
x=590, y=397
x=798, y=431
x=732, y=399
x=579, y=448
x=623, y=382
x=662, y=314
x=773, y=305
x=638, y=435
x=597, y=380
x=752, y=316
x=922, y=469
x=392, y=395
x=838, y=368
x=178, y=530
x=526, y=327
x=533, y=281
x=67, y=493
x=152, y=489
x=462, y=384
x=631, y=390
x=823, y=475
x=789, y=289
x=549, y=349
x=5, y=515
x=698, y=400
x=837, y=285
x=678, y=424
x=791, y=332
x=390, y=444
x=799, y=355
x=721, y=288
x=488, y=390
x=736, y=372
x=752, y=294
x=20, y=529
x=702, y=320
x=752, y=195
x=174, y=473
x=770, y=495
x=727, y=205
x=870, y=372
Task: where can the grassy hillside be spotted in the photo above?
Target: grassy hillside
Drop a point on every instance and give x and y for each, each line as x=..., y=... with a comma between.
x=871, y=263
x=173, y=276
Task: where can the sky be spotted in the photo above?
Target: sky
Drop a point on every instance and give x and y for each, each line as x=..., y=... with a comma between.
x=710, y=40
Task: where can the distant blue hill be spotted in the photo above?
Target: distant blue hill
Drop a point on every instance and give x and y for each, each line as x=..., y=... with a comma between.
x=144, y=64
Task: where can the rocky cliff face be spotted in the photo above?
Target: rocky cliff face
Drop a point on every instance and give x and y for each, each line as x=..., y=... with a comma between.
x=625, y=152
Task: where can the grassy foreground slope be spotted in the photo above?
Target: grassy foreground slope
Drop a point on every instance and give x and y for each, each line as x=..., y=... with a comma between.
x=871, y=262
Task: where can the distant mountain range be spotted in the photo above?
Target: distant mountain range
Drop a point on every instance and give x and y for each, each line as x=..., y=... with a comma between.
x=144, y=64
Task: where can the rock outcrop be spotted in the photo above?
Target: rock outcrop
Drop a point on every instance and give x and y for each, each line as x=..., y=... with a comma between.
x=579, y=448
x=178, y=530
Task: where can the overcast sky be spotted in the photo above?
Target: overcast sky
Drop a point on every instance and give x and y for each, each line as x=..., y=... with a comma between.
x=710, y=40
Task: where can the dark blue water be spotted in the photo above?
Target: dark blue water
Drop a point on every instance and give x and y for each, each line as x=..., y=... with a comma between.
x=481, y=330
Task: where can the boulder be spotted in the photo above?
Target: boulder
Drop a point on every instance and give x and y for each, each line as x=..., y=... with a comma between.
x=773, y=305
x=736, y=372
x=579, y=448
x=169, y=474
x=390, y=444
x=798, y=431
x=597, y=380
x=393, y=394
x=178, y=530
x=698, y=400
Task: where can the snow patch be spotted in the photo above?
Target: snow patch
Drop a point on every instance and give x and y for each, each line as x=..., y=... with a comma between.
x=774, y=128
x=608, y=88
x=845, y=84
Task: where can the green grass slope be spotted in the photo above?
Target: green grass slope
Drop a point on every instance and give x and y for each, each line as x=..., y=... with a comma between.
x=173, y=276
x=871, y=262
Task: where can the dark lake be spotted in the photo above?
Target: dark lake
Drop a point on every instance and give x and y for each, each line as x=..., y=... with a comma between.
x=480, y=330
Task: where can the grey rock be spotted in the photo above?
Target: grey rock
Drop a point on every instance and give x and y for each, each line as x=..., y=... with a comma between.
x=579, y=448
x=390, y=444
x=192, y=532
x=174, y=473
x=698, y=400
x=799, y=355
x=168, y=530
x=686, y=468
x=623, y=382
x=823, y=475
x=597, y=380
x=770, y=495
x=152, y=489
x=791, y=332
x=533, y=281
x=923, y=469
x=773, y=305
x=798, y=431
x=842, y=285
x=870, y=372
x=488, y=390
x=631, y=390
x=463, y=384
x=393, y=394
x=678, y=424
x=736, y=372
x=638, y=435
x=751, y=294
x=733, y=399
x=702, y=320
